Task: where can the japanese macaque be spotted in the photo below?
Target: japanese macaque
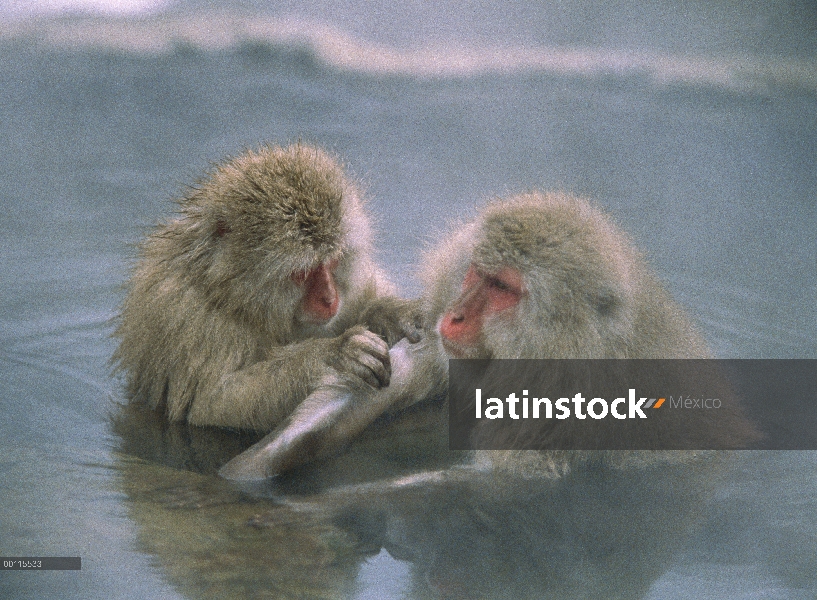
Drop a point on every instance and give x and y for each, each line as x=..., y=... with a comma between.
x=551, y=276
x=262, y=288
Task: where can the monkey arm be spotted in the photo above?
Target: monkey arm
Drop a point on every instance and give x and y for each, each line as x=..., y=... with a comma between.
x=261, y=395
x=337, y=412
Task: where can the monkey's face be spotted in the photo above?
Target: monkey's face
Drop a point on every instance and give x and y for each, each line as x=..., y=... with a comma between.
x=487, y=297
x=541, y=276
x=277, y=237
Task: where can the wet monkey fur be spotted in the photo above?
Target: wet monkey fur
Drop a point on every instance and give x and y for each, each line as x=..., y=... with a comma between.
x=260, y=288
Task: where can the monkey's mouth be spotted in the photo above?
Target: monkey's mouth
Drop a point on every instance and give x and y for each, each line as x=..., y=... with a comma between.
x=314, y=320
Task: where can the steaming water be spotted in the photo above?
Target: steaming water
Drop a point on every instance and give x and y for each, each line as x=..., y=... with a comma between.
x=695, y=124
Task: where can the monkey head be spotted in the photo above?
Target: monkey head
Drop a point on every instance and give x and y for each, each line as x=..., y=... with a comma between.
x=535, y=276
x=276, y=235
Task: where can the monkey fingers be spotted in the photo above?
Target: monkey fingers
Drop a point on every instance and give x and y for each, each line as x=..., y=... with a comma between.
x=366, y=356
x=411, y=322
x=394, y=319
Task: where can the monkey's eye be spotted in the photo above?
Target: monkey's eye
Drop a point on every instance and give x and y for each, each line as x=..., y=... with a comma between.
x=300, y=277
x=504, y=289
x=498, y=284
x=507, y=281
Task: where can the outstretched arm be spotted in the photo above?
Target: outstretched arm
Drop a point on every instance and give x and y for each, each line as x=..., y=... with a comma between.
x=337, y=411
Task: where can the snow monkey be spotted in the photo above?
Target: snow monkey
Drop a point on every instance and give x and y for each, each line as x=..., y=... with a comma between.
x=551, y=276
x=547, y=276
x=262, y=287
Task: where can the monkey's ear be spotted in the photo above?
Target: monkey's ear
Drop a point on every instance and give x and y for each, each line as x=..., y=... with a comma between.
x=222, y=228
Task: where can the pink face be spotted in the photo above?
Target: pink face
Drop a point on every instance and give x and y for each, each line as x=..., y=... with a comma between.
x=483, y=295
x=320, y=299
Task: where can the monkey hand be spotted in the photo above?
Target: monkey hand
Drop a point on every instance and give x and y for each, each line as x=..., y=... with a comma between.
x=362, y=355
x=394, y=319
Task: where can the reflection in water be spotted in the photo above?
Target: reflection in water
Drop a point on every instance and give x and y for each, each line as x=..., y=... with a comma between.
x=215, y=541
x=600, y=531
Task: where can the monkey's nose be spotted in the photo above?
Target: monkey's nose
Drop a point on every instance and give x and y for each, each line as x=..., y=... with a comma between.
x=329, y=294
x=452, y=325
x=321, y=297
